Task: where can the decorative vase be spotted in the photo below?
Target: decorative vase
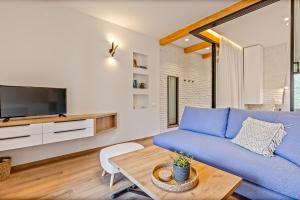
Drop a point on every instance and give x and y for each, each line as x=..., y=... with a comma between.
x=135, y=83
x=181, y=174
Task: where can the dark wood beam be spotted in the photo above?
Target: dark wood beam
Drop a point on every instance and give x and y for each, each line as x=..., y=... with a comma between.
x=214, y=75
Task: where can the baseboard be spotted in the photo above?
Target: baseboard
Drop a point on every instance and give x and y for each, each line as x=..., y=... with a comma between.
x=25, y=166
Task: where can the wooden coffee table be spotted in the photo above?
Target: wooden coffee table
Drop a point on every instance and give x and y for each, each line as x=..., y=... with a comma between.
x=137, y=167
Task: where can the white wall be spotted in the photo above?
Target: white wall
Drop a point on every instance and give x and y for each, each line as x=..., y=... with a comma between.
x=174, y=62
x=276, y=76
x=45, y=44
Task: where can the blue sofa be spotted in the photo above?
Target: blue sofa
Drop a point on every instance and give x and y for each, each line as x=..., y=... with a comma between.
x=206, y=135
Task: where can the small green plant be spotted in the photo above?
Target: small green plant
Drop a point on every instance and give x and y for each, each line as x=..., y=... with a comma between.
x=182, y=160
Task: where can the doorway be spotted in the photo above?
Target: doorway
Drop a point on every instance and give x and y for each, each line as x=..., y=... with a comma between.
x=172, y=101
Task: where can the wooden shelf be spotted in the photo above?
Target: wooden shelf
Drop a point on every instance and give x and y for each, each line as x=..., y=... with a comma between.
x=105, y=124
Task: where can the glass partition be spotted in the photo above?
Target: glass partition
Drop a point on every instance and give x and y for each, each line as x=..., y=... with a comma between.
x=296, y=60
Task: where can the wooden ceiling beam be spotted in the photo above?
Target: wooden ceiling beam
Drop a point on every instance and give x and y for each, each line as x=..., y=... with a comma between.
x=209, y=37
x=206, y=35
x=238, y=9
x=206, y=55
x=196, y=47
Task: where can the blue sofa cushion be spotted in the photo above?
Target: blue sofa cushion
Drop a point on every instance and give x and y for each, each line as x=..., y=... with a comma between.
x=237, y=117
x=205, y=120
x=290, y=145
x=274, y=173
x=289, y=148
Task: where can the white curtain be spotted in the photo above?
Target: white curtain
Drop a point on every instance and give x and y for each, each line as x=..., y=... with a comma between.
x=230, y=75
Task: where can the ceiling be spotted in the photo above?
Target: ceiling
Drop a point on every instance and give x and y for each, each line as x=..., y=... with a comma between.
x=155, y=18
x=265, y=26
x=158, y=18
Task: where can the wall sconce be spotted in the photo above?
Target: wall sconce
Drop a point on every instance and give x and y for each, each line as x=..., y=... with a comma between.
x=113, y=49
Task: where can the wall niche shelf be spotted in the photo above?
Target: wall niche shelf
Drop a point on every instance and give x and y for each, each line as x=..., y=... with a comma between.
x=140, y=71
x=140, y=101
x=140, y=81
x=140, y=91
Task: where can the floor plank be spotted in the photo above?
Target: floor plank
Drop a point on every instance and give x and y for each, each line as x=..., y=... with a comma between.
x=74, y=178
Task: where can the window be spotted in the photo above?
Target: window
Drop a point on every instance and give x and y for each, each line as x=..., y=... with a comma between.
x=172, y=101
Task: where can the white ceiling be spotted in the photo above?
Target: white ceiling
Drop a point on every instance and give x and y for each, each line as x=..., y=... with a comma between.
x=265, y=26
x=158, y=18
x=155, y=18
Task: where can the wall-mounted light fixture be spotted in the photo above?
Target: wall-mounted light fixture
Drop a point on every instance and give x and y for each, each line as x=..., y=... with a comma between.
x=113, y=49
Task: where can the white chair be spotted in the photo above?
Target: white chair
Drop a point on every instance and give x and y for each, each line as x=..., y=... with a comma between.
x=112, y=151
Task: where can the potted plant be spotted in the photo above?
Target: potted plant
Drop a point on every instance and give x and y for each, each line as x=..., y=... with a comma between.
x=181, y=167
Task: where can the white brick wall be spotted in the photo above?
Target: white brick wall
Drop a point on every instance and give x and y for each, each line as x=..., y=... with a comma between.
x=174, y=62
x=276, y=67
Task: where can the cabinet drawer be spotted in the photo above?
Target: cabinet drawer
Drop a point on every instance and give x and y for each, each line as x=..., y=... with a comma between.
x=58, y=136
x=20, y=130
x=69, y=125
x=20, y=141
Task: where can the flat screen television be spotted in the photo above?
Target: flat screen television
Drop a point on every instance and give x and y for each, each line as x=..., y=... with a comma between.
x=19, y=101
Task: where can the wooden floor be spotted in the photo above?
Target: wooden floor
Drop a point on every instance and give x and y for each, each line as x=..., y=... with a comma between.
x=74, y=178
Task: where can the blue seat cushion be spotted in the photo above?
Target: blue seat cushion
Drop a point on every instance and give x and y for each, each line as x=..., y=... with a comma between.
x=289, y=148
x=205, y=120
x=275, y=173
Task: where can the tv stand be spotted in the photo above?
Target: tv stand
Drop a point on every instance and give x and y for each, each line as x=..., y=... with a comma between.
x=24, y=132
x=6, y=119
x=62, y=115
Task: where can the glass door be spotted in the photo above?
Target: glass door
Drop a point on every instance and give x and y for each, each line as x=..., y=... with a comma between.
x=296, y=61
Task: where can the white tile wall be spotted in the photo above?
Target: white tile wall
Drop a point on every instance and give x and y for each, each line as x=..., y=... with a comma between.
x=174, y=62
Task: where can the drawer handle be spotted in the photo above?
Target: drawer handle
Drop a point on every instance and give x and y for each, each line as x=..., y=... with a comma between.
x=11, y=138
x=79, y=129
x=15, y=125
x=75, y=120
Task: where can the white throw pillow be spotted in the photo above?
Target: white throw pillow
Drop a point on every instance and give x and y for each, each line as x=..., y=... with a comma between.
x=259, y=136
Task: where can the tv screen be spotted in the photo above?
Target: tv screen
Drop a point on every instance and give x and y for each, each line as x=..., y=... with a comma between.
x=18, y=101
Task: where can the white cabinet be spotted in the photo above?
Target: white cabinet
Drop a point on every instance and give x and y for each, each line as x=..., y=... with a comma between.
x=25, y=135
x=67, y=125
x=19, y=136
x=71, y=134
x=253, y=75
x=26, y=132
x=69, y=130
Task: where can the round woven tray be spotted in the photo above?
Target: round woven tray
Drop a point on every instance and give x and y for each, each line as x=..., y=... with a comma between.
x=172, y=185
